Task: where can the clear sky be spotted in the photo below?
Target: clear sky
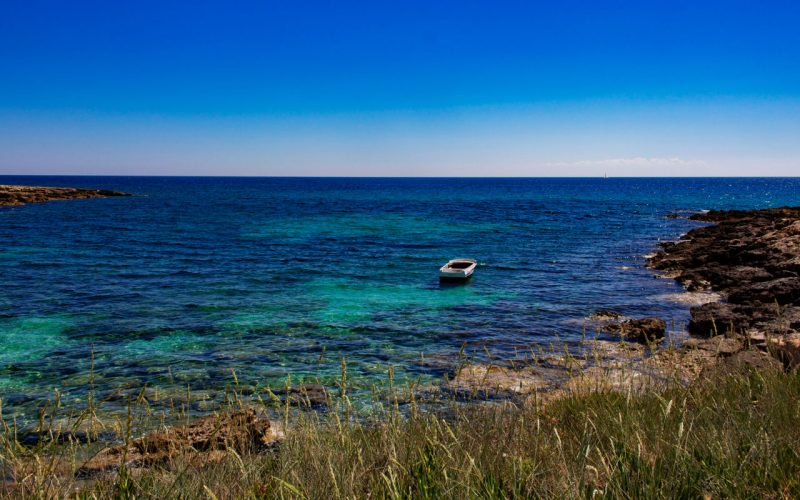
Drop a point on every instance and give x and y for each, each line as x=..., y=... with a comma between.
x=400, y=88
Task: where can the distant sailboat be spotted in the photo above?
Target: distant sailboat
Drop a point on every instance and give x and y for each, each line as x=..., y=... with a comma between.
x=605, y=175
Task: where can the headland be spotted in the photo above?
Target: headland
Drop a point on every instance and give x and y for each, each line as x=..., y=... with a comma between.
x=11, y=196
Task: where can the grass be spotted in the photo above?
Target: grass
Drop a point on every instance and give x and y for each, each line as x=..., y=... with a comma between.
x=723, y=436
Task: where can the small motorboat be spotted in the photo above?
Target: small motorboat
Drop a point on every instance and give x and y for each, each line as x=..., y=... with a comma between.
x=457, y=270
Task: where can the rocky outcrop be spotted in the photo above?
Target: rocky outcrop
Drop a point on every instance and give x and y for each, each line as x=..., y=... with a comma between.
x=752, y=258
x=487, y=381
x=604, y=315
x=20, y=195
x=787, y=350
x=714, y=319
x=644, y=330
x=612, y=366
x=205, y=441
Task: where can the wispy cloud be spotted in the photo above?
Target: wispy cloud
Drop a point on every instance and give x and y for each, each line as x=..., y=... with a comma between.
x=636, y=161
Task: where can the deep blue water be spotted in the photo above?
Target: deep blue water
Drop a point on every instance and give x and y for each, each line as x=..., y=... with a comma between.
x=197, y=277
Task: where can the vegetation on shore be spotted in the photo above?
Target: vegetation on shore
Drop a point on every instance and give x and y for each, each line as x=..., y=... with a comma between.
x=726, y=435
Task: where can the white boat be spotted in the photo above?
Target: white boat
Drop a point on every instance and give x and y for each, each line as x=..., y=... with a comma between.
x=457, y=269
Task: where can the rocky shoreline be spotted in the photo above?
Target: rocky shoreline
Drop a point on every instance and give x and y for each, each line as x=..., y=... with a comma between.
x=752, y=259
x=11, y=196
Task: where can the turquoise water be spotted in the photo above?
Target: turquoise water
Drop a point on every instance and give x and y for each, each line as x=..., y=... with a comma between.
x=198, y=277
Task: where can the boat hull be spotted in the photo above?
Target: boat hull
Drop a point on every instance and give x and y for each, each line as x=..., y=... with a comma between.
x=454, y=279
x=457, y=270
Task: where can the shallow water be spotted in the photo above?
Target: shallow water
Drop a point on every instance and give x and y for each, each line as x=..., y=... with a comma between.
x=197, y=277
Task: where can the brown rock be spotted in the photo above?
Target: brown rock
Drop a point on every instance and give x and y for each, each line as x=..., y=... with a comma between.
x=305, y=395
x=783, y=322
x=604, y=315
x=713, y=319
x=484, y=380
x=782, y=291
x=19, y=195
x=203, y=441
x=65, y=430
x=719, y=345
x=787, y=350
x=751, y=359
x=639, y=330
x=610, y=379
x=751, y=256
x=733, y=276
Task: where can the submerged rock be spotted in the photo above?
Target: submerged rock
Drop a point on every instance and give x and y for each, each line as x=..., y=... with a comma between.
x=314, y=396
x=64, y=430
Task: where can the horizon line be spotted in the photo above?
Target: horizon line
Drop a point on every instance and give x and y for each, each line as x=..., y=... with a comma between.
x=410, y=176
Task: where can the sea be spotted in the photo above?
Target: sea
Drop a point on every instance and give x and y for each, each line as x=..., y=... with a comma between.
x=201, y=283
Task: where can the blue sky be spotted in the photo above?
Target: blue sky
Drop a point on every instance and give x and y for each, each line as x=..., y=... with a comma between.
x=401, y=88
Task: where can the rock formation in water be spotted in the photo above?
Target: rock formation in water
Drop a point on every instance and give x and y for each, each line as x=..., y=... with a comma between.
x=752, y=258
x=20, y=195
x=642, y=330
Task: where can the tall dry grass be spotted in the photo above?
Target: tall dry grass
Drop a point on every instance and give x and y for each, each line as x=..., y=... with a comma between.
x=724, y=436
